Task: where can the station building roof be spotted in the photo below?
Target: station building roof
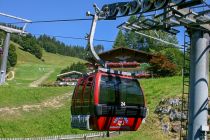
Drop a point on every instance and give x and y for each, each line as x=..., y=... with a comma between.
x=123, y=54
x=69, y=73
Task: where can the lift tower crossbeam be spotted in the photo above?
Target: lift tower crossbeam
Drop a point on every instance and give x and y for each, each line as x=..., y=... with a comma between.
x=8, y=31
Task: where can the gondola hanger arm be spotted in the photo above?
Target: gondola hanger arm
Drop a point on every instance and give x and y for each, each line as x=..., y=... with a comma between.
x=92, y=34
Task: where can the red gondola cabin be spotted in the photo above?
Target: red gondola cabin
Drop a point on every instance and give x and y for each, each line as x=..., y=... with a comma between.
x=108, y=100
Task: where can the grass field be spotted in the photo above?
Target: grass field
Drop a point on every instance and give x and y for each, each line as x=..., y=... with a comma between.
x=51, y=120
x=54, y=60
x=155, y=90
x=47, y=122
x=56, y=121
x=29, y=68
x=17, y=94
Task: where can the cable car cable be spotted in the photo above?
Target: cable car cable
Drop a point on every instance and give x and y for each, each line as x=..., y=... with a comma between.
x=111, y=41
x=62, y=20
x=76, y=38
x=55, y=20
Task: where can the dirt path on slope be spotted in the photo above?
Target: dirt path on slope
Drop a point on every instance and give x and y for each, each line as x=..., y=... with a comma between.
x=40, y=80
x=55, y=102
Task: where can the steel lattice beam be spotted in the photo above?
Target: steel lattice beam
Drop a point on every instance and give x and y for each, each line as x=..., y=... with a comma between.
x=8, y=31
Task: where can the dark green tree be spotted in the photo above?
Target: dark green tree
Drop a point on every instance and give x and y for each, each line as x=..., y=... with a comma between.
x=99, y=48
x=17, y=39
x=29, y=44
x=120, y=40
x=175, y=56
x=132, y=39
x=140, y=42
x=54, y=46
x=37, y=51
x=75, y=67
x=2, y=35
x=12, y=56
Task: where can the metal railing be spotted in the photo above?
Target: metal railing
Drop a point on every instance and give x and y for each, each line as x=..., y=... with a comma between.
x=71, y=137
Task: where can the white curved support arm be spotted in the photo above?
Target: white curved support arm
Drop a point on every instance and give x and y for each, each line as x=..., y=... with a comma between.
x=90, y=41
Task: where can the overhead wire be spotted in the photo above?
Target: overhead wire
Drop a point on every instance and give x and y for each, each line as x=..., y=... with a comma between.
x=109, y=41
x=51, y=21
x=59, y=20
x=63, y=20
x=76, y=38
x=206, y=3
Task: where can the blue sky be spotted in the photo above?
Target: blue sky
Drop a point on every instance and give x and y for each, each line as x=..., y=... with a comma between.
x=64, y=9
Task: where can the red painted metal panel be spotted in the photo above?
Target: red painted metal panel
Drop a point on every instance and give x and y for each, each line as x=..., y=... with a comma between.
x=97, y=88
x=117, y=123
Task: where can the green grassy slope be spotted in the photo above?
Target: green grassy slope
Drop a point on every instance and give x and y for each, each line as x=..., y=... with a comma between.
x=25, y=57
x=56, y=121
x=49, y=58
x=29, y=68
x=17, y=94
x=47, y=122
x=11, y=96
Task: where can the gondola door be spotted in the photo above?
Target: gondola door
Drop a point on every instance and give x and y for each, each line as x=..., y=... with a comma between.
x=119, y=92
x=121, y=103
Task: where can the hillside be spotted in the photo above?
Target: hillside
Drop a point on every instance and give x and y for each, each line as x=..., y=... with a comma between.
x=29, y=68
x=17, y=91
x=55, y=121
x=49, y=58
x=27, y=111
x=44, y=111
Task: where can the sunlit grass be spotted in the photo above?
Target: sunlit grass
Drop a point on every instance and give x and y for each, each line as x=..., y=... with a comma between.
x=12, y=96
x=154, y=90
x=56, y=121
x=47, y=122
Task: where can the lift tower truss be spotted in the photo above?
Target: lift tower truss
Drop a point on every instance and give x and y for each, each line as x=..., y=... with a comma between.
x=9, y=30
x=198, y=28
